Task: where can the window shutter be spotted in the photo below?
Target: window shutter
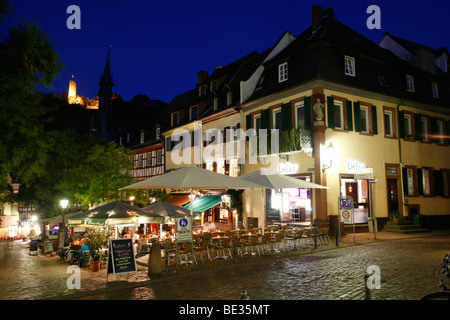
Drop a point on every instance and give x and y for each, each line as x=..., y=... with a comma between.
x=405, y=180
x=420, y=181
x=401, y=124
x=374, y=120
x=417, y=127
x=357, y=116
x=330, y=112
x=248, y=121
x=308, y=113
x=286, y=116
x=349, y=116
x=438, y=183
x=433, y=129
x=265, y=119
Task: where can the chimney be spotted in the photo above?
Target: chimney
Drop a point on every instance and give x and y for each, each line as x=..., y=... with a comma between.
x=328, y=12
x=202, y=76
x=316, y=17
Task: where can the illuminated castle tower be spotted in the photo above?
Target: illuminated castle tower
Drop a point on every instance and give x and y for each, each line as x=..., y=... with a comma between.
x=105, y=99
x=72, y=91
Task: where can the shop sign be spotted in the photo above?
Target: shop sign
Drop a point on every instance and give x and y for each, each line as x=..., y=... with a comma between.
x=353, y=166
x=184, y=237
x=287, y=168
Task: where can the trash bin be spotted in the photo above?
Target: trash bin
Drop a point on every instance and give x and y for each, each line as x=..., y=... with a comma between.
x=372, y=223
x=415, y=218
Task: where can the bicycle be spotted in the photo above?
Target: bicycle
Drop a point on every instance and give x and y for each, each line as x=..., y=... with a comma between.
x=444, y=273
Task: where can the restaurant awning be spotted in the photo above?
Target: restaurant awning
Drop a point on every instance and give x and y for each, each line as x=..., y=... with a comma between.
x=204, y=203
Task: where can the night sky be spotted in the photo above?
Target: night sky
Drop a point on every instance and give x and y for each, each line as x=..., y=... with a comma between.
x=157, y=47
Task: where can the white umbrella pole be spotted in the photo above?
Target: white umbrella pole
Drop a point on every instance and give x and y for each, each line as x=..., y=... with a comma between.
x=263, y=211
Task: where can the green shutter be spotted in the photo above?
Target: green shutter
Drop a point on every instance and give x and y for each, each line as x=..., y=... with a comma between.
x=286, y=116
x=405, y=180
x=401, y=124
x=248, y=121
x=265, y=119
x=349, y=116
x=374, y=120
x=308, y=113
x=420, y=181
x=438, y=183
x=433, y=130
x=357, y=116
x=417, y=127
x=330, y=112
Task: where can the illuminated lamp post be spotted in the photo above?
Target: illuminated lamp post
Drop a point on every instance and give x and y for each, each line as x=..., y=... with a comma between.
x=64, y=203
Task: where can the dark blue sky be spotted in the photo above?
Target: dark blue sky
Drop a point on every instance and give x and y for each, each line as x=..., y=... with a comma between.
x=159, y=46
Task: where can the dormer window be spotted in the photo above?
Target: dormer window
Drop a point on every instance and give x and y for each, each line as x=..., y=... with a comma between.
x=142, y=137
x=350, y=66
x=175, y=119
x=229, y=98
x=158, y=133
x=202, y=91
x=215, y=104
x=409, y=83
x=434, y=90
x=214, y=86
x=193, y=113
x=282, y=72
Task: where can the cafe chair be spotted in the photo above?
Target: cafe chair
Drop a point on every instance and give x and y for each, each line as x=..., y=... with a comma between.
x=324, y=235
x=264, y=243
x=308, y=237
x=204, y=247
x=276, y=242
x=252, y=243
x=186, y=250
x=298, y=236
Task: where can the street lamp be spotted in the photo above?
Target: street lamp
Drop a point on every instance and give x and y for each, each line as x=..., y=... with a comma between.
x=329, y=155
x=64, y=203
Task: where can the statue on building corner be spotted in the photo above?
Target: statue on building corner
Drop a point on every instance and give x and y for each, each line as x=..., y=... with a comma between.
x=318, y=110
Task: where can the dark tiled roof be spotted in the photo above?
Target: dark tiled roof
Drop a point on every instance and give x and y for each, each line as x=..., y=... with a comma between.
x=321, y=56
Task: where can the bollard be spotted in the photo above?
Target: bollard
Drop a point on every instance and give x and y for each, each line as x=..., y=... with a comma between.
x=367, y=293
x=166, y=257
x=244, y=296
x=154, y=259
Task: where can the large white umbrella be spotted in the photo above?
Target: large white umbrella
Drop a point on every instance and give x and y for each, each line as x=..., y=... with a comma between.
x=194, y=178
x=272, y=180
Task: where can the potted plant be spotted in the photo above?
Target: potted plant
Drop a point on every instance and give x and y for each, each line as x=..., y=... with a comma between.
x=396, y=215
x=96, y=239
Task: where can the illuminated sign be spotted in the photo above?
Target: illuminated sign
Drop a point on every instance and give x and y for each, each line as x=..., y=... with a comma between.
x=287, y=168
x=354, y=166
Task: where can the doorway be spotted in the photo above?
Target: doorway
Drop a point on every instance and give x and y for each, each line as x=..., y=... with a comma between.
x=392, y=190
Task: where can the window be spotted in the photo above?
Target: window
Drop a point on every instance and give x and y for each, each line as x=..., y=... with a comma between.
x=175, y=119
x=364, y=116
x=214, y=86
x=440, y=131
x=202, y=91
x=424, y=125
x=434, y=90
x=193, y=113
x=257, y=123
x=158, y=133
x=282, y=72
x=407, y=118
x=141, y=162
x=159, y=156
x=349, y=66
x=229, y=98
x=215, y=104
x=299, y=115
x=142, y=137
x=445, y=183
x=410, y=181
x=276, y=119
x=338, y=115
x=388, y=124
x=149, y=159
x=426, y=176
x=409, y=83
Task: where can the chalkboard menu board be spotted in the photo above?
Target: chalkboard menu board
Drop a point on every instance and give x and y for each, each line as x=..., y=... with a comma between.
x=121, y=257
x=48, y=246
x=272, y=215
x=33, y=247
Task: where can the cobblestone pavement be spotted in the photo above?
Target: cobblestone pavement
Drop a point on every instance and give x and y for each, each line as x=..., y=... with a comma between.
x=327, y=273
